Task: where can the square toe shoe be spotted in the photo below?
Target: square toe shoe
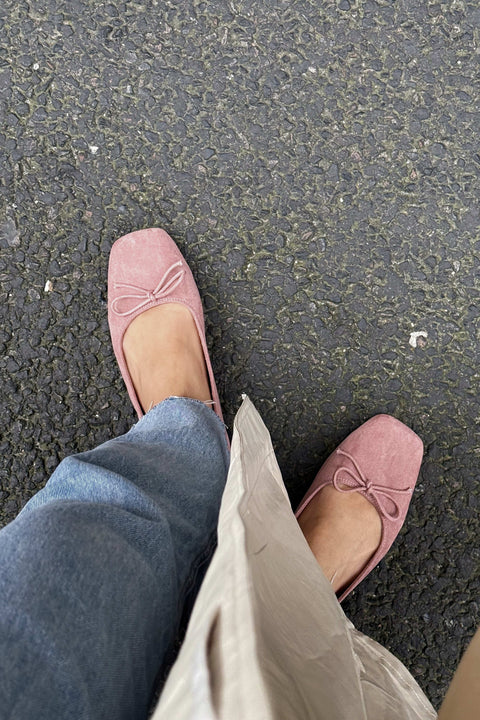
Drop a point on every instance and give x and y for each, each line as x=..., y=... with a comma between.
x=147, y=269
x=381, y=460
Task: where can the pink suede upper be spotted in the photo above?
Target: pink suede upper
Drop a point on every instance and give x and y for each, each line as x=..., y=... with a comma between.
x=147, y=269
x=381, y=460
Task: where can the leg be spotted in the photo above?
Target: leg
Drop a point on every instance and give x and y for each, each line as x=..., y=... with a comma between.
x=95, y=569
x=463, y=695
x=268, y=637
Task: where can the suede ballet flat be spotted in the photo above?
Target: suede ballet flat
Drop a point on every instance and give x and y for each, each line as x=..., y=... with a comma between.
x=147, y=269
x=381, y=460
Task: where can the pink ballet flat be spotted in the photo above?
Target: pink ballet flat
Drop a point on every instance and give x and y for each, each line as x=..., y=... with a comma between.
x=147, y=269
x=381, y=460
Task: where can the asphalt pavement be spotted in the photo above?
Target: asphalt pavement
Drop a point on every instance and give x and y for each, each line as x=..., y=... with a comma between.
x=318, y=164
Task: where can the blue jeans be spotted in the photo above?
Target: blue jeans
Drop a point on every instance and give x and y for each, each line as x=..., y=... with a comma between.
x=100, y=568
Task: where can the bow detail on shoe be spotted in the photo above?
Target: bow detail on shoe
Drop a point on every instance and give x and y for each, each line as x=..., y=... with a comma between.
x=169, y=282
x=378, y=492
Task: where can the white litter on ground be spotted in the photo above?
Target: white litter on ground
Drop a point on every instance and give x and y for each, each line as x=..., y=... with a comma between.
x=415, y=335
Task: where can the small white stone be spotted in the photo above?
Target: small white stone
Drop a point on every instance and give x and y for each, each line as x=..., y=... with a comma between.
x=93, y=149
x=35, y=66
x=415, y=335
x=312, y=69
x=48, y=286
x=456, y=265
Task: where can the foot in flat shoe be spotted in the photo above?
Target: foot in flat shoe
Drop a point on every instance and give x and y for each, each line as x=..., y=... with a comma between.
x=370, y=479
x=343, y=531
x=164, y=355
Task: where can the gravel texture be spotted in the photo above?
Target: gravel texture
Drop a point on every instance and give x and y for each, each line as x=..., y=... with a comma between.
x=318, y=164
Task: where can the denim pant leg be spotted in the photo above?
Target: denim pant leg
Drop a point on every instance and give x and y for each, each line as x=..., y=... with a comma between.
x=95, y=570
